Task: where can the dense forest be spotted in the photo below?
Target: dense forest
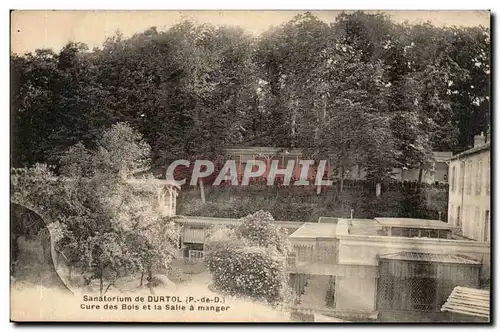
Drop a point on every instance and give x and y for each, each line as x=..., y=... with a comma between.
x=363, y=90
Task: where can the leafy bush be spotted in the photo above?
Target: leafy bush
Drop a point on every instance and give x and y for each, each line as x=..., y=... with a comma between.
x=103, y=222
x=251, y=259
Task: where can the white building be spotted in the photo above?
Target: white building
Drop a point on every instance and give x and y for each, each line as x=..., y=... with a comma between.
x=469, y=192
x=438, y=172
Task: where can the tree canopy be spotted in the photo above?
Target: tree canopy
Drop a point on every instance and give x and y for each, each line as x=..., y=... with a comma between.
x=106, y=226
x=363, y=89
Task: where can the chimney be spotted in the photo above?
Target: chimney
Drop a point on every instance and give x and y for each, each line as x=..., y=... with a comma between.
x=479, y=140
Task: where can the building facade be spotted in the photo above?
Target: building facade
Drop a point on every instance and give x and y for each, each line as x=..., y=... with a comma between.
x=469, y=191
x=282, y=156
x=364, y=268
x=437, y=173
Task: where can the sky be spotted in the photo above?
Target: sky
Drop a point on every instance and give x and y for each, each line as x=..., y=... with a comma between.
x=53, y=29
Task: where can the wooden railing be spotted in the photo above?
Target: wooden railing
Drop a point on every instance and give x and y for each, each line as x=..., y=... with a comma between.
x=195, y=256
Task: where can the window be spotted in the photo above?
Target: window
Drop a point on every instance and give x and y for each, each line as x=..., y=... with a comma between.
x=468, y=178
x=479, y=177
x=466, y=219
x=425, y=233
x=476, y=231
x=443, y=234
x=396, y=232
x=461, y=178
x=453, y=178
x=486, y=231
x=414, y=233
x=292, y=259
x=304, y=253
x=488, y=177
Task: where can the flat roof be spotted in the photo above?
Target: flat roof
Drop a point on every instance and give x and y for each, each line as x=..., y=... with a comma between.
x=328, y=220
x=429, y=257
x=264, y=149
x=231, y=221
x=314, y=230
x=363, y=223
x=162, y=182
x=364, y=227
x=414, y=223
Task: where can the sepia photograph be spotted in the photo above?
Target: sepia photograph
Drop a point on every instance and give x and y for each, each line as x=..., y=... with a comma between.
x=255, y=166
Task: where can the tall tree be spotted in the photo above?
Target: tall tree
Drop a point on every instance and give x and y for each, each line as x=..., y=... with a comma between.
x=108, y=227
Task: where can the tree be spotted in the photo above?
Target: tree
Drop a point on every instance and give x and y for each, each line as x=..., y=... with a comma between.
x=251, y=259
x=32, y=80
x=109, y=226
x=196, y=89
x=289, y=58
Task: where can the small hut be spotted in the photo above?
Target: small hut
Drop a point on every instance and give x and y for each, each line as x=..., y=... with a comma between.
x=167, y=194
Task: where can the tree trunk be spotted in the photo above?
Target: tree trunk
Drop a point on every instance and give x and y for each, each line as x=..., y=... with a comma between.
x=101, y=283
x=15, y=248
x=378, y=189
x=150, y=274
x=420, y=175
x=142, y=278
x=150, y=280
x=202, y=191
x=14, y=252
x=341, y=178
x=293, y=124
x=324, y=109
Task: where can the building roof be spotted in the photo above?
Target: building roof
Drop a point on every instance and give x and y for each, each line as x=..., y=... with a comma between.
x=441, y=156
x=429, y=257
x=264, y=150
x=161, y=182
x=155, y=181
x=209, y=221
x=314, y=230
x=468, y=301
x=364, y=227
x=414, y=223
x=485, y=146
x=328, y=220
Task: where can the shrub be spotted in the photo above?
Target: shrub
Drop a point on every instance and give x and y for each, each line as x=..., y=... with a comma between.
x=256, y=272
x=251, y=259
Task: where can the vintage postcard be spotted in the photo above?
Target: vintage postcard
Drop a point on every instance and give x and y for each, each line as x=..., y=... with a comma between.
x=250, y=166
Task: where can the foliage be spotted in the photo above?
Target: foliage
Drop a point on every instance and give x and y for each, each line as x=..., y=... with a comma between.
x=105, y=222
x=302, y=204
x=260, y=230
x=383, y=94
x=246, y=261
